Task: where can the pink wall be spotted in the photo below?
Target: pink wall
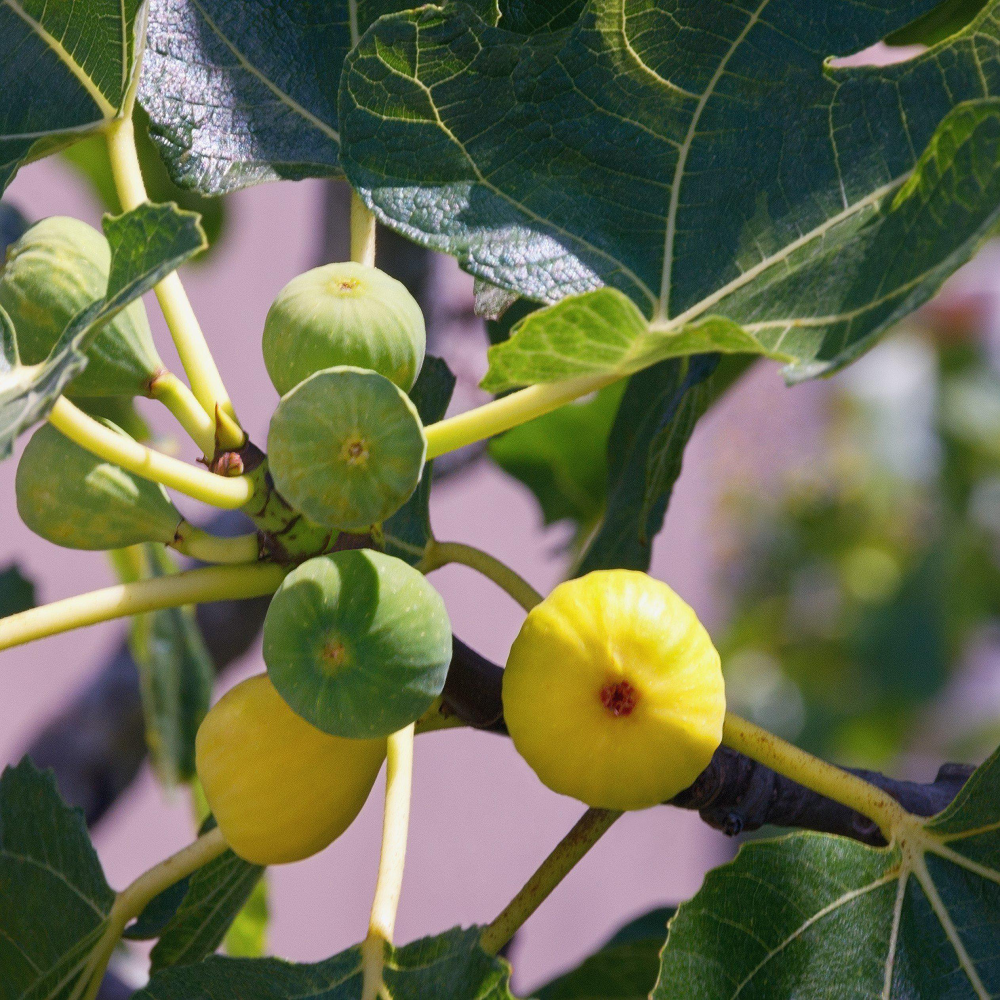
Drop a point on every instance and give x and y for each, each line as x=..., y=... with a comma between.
x=481, y=821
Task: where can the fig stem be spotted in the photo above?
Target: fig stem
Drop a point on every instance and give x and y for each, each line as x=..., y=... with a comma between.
x=130, y=902
x=194, y=586
x=510, y=411
x=817, y=775
x=587, y=830
x=181, y=402
x=202, y=372
x=440, y=554
x=219, y=491
x=198, y=544
x=388, y=886
x=362, y=232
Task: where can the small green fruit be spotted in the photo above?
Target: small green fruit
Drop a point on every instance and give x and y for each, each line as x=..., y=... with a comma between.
x=57, y=268
x=75, y=499
x=357, y=642
x=344, y=314
x=346, y=447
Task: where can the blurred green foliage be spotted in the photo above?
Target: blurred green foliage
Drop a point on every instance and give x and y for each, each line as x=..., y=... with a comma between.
x=858, y=592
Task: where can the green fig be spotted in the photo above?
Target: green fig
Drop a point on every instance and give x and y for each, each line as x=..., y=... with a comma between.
x=357, y=642
x=344, y=314
x=57, y=268
x=75, y=499
x=346, y=448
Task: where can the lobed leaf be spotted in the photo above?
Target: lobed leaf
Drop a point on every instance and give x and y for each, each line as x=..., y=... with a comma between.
x=704, y=161
x=65, y=71
x=147, y=244
x=54, y=899
x=450, y=966
x=811, y=915
x=623, y=969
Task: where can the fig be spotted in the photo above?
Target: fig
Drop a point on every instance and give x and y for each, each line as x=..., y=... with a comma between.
x=346, y=448
x=613, y=691
x=57, y=268
x=279, y=789
x=75, y=499
x=357, y=642
x=343, y=314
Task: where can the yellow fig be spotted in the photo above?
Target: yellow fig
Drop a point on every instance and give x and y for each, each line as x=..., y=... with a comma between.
x=613, y=691
x=279, y=789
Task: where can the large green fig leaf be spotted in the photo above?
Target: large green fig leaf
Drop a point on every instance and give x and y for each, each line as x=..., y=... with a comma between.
x=146, y=245
x=54, y=900
x=653, y=425
x=239, y=93
x=408, y=531
x=215, y=895
x=242, y=93
x=624, y=969
x=450, y=966
x=732, y=189
x=817, y=916
x=65, y=71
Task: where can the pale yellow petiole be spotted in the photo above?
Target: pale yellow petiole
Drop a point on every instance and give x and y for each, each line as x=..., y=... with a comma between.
x=202, y=372
x=219, y=491
x=362, y=232
x=395, y=825
x=132, y=901
x=438, y=554
x=815, y=774
x=180, y=401
x=198, y=544
x=195, y=586
x=507, y=412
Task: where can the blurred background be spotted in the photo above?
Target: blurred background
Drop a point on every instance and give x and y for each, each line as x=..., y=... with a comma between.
x=841, y=540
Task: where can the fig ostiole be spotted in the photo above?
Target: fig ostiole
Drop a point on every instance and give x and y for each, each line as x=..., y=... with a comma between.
x=343, y=314
x=613, y=691
x=346, y=447
x=57, y=268
x=357, y=642
x=279, y=789
x=73, y=498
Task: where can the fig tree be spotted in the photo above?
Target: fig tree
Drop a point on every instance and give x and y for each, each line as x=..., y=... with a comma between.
x=279, y=789
x=346, y=447
x=75, y=499
x=57, y=268
x=343, y=314
x=357, y=642
x=613, y=691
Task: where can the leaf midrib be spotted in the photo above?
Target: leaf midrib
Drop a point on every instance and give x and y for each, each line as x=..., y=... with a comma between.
x=107, y=109
x=286, y=99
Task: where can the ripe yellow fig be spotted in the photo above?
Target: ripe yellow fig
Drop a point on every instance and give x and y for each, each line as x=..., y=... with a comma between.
x=613, y=691
x=280, y=789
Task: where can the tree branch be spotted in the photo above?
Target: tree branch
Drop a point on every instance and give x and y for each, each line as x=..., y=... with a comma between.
x=734, y=793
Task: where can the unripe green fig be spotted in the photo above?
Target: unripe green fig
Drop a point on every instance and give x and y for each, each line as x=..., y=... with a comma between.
x=57, y=268
x=346, y=448
x=357, y=642
x=279, y=789
x=75, y=499
x=344, y=314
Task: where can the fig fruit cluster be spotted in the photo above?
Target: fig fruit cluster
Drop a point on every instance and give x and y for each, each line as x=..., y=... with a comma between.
x=343, y=344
